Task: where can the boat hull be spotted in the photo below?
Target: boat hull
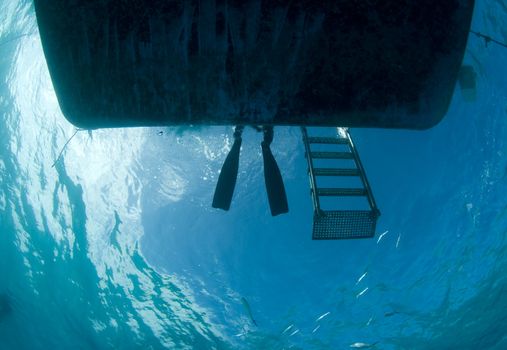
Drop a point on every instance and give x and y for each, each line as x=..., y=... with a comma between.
x=386, y=64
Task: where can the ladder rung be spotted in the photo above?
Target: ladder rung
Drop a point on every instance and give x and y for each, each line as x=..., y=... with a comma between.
x=341, y=192
x=335, y=172
x=330, y=140
x=332, y=155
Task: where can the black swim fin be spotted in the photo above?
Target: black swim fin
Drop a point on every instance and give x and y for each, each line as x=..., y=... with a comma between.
x=227, y=178
x=273, y=178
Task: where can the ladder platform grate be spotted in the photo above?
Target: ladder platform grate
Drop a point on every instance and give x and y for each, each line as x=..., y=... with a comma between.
x=341, y=192
x=329, y=140
x=335, y=172
x=344, y=224
x=332, y=155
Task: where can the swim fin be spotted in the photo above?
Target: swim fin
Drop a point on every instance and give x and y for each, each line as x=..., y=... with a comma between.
x=227, y=178
x=273, y=179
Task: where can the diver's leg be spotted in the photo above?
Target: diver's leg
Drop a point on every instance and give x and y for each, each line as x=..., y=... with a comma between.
x=272, y=176
x=227, y=178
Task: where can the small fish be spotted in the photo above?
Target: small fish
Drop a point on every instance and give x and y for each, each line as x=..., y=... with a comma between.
x=362, y=292
x=322, y=316
x=248, y=309
x=316, y=328
x=391, y=313
x=398, y=240
x=369, y=321
x=381, y=236
x=360, y=345
x=287, y=329
x=295, y=332
x=361, y=278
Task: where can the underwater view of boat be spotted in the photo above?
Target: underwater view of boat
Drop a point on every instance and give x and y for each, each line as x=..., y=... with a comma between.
x=332, y=63
x=142, y=148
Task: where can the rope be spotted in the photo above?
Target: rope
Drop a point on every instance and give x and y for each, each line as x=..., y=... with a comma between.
x=65, y=146
x=488, y=39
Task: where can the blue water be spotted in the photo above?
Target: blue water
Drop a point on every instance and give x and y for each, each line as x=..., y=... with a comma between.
x=116, y=246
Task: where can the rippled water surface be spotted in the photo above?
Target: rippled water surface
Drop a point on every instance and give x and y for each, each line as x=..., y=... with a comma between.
x=116, y=246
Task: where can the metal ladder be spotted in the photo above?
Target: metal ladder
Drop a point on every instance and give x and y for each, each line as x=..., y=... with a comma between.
x=338, y=224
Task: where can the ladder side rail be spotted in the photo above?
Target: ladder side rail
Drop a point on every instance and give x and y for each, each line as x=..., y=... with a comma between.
x=362, y=175
x=313, y=185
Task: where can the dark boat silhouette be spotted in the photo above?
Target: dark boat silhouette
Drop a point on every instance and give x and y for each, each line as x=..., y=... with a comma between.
x=387, y=64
